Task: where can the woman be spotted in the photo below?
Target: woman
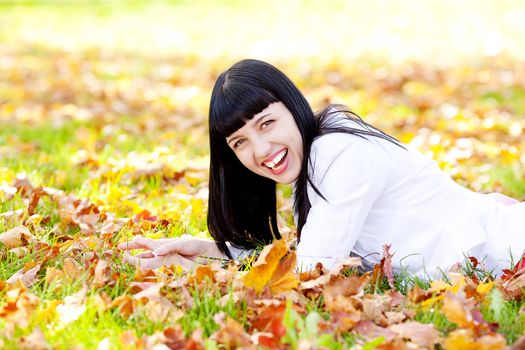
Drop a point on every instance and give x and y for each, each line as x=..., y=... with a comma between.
x=355, y=188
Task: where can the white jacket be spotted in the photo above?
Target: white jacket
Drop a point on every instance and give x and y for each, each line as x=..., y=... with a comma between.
x=380, y=193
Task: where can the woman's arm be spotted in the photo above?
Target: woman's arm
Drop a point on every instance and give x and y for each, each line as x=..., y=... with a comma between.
x=351, y=177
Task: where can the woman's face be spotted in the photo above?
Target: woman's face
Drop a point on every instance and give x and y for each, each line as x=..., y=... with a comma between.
x=270, y=144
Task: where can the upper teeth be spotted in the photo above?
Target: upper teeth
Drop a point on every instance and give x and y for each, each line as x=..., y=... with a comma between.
x=277, y=159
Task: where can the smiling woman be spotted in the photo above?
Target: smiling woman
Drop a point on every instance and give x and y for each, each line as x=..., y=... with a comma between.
x=270, y=144
x=355, y=187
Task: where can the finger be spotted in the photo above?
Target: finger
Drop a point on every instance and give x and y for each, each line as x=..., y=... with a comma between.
x=146, y=264
x=133, y=244
x=138, y=242
x=145, y=255
x=181, y=247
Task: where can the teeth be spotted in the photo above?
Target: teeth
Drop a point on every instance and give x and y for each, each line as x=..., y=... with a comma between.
x=277, y=159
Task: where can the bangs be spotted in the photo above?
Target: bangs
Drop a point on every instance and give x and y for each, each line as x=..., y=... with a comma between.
x=236, y=105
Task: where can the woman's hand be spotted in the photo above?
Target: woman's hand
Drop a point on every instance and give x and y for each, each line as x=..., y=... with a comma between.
x=190, y=247
x=185, y=251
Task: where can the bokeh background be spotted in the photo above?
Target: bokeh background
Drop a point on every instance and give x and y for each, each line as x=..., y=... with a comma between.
x=103, y=136
x=109, y=100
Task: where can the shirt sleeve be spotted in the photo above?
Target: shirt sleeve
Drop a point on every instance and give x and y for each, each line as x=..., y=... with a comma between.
x=351, y=178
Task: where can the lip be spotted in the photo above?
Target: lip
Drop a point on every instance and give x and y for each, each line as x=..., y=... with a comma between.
x=270, y=158
x=283, y=166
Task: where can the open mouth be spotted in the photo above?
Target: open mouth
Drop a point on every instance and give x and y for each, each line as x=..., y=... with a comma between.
x=277, y=161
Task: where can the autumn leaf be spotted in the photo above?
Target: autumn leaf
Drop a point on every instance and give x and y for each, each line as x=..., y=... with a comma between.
x=424, y=335
x=271, y=269
x=27, y=277
x=15, y=237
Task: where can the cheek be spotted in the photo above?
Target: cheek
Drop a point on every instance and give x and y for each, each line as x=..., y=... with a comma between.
x=244, y=158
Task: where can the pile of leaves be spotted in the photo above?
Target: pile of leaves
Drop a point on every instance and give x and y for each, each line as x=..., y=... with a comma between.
x=270, y=305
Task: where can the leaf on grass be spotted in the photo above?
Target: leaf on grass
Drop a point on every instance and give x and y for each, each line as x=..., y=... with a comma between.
x=28, y=278
x=464, y=339
x=16, y=237
x=231, y=333
x=457, y=310
x=18, y=307
x=269, y=321
x=386, y=262
x=339, y=291
x=271, y=268
x=424, y=335
x=34, y=341
x=102, y=273
x=202, y=273
x=370, y=330
x=73, y=307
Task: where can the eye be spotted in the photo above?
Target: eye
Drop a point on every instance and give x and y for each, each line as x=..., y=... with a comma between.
x=266, y=124
x=238, y=143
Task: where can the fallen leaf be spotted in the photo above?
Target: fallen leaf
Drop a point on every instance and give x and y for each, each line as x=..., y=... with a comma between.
x=386, y=262
x=28, y=278
x=270, y=268
x=424, y=335
x=72, y=307
x=34, y=341
x=15, y=237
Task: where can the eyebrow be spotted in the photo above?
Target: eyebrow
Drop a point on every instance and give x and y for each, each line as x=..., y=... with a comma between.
x=256, y=122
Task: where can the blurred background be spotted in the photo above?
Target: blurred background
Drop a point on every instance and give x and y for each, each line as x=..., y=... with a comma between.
x=109, y=99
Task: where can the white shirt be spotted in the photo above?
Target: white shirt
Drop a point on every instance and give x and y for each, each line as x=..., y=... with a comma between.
x=379, y=193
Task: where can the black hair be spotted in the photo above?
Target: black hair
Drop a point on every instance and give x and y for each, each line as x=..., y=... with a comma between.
x=241, y=204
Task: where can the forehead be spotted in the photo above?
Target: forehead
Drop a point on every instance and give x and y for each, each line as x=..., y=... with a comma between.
x=272, y=109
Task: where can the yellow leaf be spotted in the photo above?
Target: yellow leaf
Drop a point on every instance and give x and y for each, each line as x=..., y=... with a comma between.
x=438, y=286
x=268, y=267
x=483, y=288
x=460, y=339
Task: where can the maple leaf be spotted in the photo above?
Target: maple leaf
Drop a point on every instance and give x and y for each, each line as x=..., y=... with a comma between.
x=272, y=270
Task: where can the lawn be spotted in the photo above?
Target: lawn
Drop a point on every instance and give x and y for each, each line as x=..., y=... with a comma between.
x=103, y=136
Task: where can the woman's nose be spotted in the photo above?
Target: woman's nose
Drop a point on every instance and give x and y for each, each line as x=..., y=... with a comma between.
x=261, y=148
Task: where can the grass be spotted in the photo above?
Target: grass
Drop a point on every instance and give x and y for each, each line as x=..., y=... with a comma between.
x=108, y=102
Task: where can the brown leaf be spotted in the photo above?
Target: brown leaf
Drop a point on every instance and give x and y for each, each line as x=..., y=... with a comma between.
x=28, y=278
x=231, y=333
x=34, y=341
x=386, y=262
x=424, y=335
x=370, y=330
x=269, y=321
x=102, y=273
x=124, y=303
x=36, y=194
x=16, y=237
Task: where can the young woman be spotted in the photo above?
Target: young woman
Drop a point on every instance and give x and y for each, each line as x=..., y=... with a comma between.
x=355, y=188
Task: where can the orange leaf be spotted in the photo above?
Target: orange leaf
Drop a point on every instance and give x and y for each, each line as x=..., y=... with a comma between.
x=264, y=268
x=283, y=278
x=201, y=273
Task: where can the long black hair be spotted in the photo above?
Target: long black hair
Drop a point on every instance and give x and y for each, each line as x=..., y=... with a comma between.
x=242, y=205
